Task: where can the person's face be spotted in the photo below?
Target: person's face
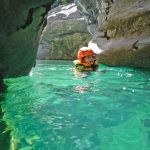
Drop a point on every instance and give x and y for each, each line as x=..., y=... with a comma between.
x=90, y=59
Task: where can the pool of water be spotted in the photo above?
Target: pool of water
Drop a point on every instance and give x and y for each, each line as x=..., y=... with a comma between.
x=57, y=109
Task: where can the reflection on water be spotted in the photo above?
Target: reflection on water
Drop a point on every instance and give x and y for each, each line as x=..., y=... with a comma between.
x=53, y=109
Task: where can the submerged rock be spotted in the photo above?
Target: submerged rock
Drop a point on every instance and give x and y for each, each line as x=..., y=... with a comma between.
x=65, y=31
x=120, y=29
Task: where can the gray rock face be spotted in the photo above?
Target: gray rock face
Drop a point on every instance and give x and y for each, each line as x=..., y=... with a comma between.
x=20, y=23
x=64, y=33
x=121, y=30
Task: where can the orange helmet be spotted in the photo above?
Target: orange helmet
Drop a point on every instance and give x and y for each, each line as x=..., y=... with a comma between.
x=84, y=51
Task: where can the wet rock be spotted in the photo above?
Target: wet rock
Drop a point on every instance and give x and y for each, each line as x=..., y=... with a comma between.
x=20, y=25
x=2, y=85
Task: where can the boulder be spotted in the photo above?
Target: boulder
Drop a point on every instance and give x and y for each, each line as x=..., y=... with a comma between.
x=65, y=32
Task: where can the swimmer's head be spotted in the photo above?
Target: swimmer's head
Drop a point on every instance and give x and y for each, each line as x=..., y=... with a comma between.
x=84, y=51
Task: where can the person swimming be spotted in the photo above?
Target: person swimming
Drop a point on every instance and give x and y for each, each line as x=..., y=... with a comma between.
x=86, y=60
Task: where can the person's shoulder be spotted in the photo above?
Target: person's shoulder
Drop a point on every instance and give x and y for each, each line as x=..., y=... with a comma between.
x=77, y=62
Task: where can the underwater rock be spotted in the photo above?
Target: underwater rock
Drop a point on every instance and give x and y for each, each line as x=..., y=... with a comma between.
x=120, y=29
x=146, y=123
x=64, y=33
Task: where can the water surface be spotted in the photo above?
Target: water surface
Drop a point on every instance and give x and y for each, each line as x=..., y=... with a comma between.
x=56, y=109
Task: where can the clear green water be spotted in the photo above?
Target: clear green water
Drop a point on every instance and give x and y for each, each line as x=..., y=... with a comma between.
x=53, y=109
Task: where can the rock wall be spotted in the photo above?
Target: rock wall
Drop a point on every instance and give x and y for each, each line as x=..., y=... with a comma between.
x=20, y=25
x=121, y=30
x=65, y=32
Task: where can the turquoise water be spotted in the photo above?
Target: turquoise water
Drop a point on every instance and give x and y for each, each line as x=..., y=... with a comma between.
x=56, y=109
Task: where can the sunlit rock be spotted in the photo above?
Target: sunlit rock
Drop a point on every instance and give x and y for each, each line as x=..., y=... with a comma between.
x=64, y=33
x=121, y=29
